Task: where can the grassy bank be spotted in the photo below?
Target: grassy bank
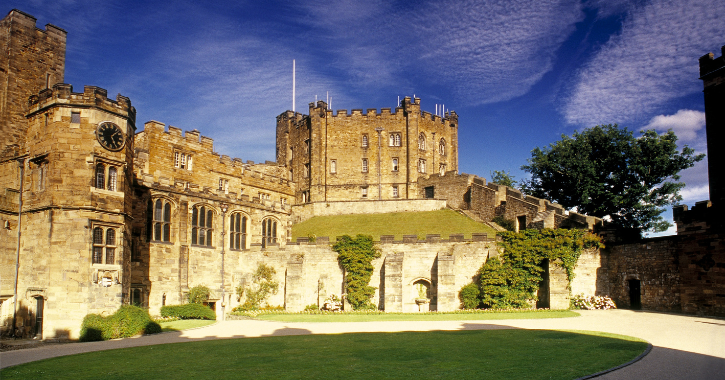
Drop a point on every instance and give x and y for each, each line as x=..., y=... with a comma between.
x=443, y=222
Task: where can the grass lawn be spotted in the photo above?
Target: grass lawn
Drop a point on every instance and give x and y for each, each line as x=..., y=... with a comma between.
x=362, y=317
x=443, y=222
x=490, y=354
x=185, y=324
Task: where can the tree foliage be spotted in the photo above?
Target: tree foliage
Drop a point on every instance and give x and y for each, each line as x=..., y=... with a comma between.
x=607, y=172
x=503, y=178
x=356, y=256
x=263, y=285
x=198, y=294
x=512, y=280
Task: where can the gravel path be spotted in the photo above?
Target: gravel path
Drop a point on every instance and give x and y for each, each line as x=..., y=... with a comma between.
x=684, y=347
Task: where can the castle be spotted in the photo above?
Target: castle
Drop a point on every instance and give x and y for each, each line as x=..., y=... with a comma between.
x=97, y=214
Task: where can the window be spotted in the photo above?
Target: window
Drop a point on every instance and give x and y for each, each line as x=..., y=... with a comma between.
x=308, y=147
x=201, y=226
x=106, y=177
x=100, y=176
x=269, y=232
x=395, y=191
x=182, y=160
x=264, y=196
x=104, y=245
x=112, y=173
x=162, y=221
x=365, y=140
x=421, y=165
x=364, y=192
x=333, y=166
x=442, y=147
x=307, y=171
x=394, y=139
x=395, y=164
x=283, y=201
x=421, y=141
x=442, y=169
x=135, y=252
x=224, y=185
x=364, y=165
x=41, y=172
x=75, y=117
x=305, y=196
x=238, y=233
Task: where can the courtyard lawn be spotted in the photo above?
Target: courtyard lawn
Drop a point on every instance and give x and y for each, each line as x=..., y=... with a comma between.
x=372, y=317
x=185, y=324
x=443, y=222
x=470, y=354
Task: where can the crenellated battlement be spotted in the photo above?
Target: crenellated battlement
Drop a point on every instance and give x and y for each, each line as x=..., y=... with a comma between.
x=92, y=96
x=709, y=64
x=371, y=113
x=28, y=21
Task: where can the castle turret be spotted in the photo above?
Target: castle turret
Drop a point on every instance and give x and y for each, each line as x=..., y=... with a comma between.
x=712, y=74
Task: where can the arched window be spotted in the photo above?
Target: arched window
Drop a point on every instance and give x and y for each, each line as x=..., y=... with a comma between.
x=365, y=140
x=238, y=233
x=101, y=245
x=100, y=176
x=394, y=139
x=421, y=165
x=442, y=147
x=201, y=226
x=269, y=232
x=162, y=221
x=112, y=178
x=421, y=141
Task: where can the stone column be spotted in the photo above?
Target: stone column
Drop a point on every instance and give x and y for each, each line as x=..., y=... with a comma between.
x=446, y=288
x=293, y=299
x=394, y=282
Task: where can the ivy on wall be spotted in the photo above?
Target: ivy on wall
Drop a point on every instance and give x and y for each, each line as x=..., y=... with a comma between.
x=514, y=280
x=356, y=255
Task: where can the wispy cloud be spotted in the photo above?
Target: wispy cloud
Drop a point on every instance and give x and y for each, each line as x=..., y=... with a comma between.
x=685, y=124
x=478, y=51
x=651, y=63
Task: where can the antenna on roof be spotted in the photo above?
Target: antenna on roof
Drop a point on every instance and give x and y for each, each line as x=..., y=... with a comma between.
x=293, y=85
x=328, y=100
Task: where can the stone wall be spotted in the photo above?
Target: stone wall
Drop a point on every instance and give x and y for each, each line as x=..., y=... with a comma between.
x=36, y=59
x=303, y=212
x=454, y=188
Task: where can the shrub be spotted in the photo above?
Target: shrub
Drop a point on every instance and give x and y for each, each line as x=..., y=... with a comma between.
x=263, y=285
x=469, y=296
x=580, y=301
x=188, y=311
x=127, y=321
x=311, y=307
x=508, y=224
x=199, y=294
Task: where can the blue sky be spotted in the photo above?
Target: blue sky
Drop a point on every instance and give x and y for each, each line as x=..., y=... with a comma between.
x=518, y=73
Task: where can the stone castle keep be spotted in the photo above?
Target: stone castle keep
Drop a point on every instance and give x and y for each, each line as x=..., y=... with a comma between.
x=97, y=214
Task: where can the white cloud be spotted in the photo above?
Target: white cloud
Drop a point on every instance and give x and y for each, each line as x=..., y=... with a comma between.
x=685, y=124
x=479, y=51
x=651, y=63
x=692, y=194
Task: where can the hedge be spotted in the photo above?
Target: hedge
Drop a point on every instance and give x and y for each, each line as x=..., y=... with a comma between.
x=188, y=311
x=127, y=321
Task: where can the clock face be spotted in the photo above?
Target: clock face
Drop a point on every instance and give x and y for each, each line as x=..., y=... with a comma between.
x=110, y=136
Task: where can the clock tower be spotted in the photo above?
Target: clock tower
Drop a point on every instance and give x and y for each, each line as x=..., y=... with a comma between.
x=76, y=204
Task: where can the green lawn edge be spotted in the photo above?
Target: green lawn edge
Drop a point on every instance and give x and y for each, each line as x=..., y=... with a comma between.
x=464, y=315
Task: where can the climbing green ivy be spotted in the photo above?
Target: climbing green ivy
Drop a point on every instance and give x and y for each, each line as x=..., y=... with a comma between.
x=356, y=256
x=513, y=280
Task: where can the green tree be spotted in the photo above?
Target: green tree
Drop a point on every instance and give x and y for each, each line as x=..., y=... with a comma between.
x=607, y=172
x=263, y=286
x=503, y=178
x=198, y=294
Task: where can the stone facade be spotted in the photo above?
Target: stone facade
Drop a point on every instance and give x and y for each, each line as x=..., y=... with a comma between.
x=340, y=156
x=31, y=59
